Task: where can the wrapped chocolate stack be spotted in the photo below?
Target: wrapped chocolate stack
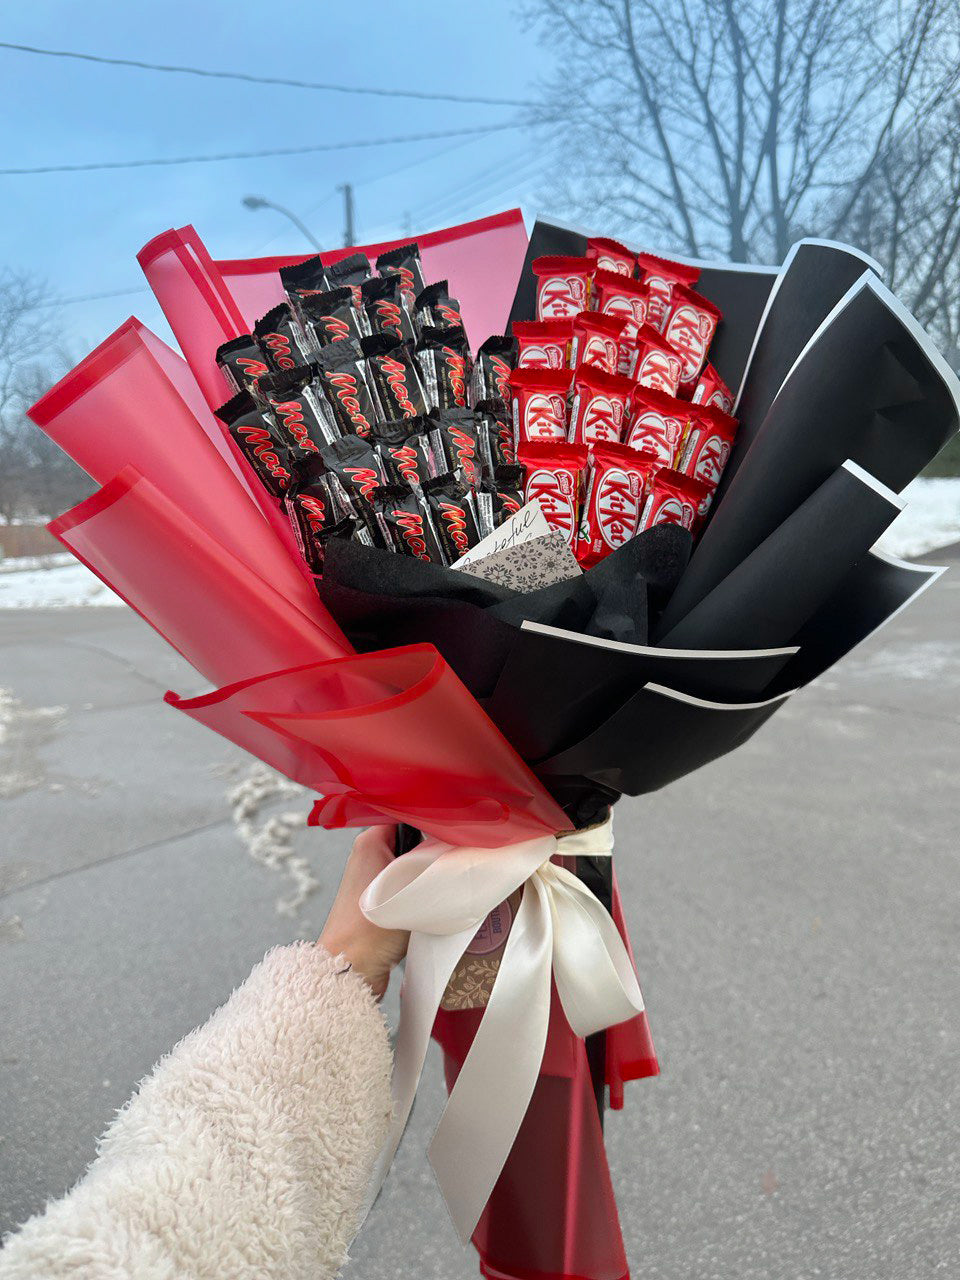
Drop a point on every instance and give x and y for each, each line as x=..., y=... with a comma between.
x=360, y=408
x=351, y=406
x=621, y=424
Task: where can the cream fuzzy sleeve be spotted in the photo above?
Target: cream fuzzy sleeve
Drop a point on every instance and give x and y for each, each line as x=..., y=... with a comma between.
x=245, y=1153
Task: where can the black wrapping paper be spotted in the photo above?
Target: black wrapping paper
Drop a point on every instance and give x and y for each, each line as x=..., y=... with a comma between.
x=868, y=387
x=815, y=276
x=872, y=592
x=784, y=581
x=656, y=737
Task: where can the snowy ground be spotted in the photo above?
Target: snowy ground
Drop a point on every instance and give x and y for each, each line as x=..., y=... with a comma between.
x=931, y=520
x=51, y=582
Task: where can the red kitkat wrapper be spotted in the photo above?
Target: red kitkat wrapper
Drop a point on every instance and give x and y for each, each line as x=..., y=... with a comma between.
x=539, y=404
x=655, y=363
x=690, y=325
x=712, y=390
x=614, y=500
x=610, y=255
x=707, y=448
x=563, y=286
x=660, y=275
x=616, y=295
x=554, y=475
x=658, y=424
x=596, y=340
x=598, y=411
x=673, y=499
x=543, y=344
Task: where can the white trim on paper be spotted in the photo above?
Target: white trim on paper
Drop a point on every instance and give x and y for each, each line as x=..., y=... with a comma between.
x=873, y=483
x=923, y=339
x=677, y=696
x=908, y=564
x=936, y=572
x=871, y=263
x=869, y=281
x=655, y=651
x=933, y=571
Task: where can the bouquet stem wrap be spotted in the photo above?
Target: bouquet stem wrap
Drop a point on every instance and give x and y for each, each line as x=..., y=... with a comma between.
x=562, y=934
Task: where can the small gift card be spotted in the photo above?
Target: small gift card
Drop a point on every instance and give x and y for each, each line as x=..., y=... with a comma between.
x=472, y=980
x=529, y=522
x=528, y=566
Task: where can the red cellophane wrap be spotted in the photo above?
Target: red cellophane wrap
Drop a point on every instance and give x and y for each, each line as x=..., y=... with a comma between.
x=181, y=529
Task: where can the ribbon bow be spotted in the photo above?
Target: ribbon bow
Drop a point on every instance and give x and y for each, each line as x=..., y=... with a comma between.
x=442, y=893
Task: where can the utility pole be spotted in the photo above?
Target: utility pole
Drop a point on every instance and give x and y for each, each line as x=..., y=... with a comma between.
x=348, y=238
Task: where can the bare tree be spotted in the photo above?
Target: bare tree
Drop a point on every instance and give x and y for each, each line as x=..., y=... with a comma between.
x=36, y=478
x=732, y=127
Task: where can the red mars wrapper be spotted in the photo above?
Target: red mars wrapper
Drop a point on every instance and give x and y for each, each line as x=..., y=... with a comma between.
x=616, y=295
x=316, y=514
x=330, y=316
x=496, y=360
x=660, y=275
x=655, y=362
x=303, y=415
x=539, y=404
x=405, y=524
x=350, y=272
x=454, y=444
x=404, y=450
x=434, y=308
x=342, y=376
x=673, y=499
x=301, y=279
x=543, y=344
x=616, y=488
x=404, y=262
x=658, y=424
x=610, y=255
x=495, y=434
x=596, y=340
x=384, y=307
x=563, y=286
x=443, y=358
x=454, y=517
x=598, y=410
x=241, y=362
x=689, y=328
x=282, y=339
x=554, y=475
x=260, y=442
x=712, y=390
x=710, y=437
x=394, y=376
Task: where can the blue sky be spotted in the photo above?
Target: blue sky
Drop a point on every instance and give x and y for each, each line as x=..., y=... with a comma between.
x=82, y=231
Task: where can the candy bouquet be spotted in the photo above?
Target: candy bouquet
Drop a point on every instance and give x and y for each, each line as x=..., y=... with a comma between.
x=475, y=534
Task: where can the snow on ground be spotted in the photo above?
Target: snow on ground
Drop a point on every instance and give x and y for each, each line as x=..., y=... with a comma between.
x=931, y=519
x=45, y=585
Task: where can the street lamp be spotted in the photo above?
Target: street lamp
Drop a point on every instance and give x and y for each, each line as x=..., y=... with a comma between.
x=261, y=202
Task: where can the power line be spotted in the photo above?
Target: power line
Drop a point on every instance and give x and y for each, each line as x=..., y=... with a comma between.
x=249, y=78
x=92, y=297
x=375, y=177
x=259, y=155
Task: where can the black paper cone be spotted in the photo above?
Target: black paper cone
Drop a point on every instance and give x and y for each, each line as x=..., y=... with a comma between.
x=770, y=595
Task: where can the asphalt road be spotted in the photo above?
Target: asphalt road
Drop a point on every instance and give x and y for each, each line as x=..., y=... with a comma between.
x=794, y=914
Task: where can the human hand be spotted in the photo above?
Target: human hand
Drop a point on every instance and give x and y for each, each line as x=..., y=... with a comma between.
x=372, y=951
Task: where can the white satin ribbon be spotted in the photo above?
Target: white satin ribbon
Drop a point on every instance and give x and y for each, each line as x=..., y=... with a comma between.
x=442, y=893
